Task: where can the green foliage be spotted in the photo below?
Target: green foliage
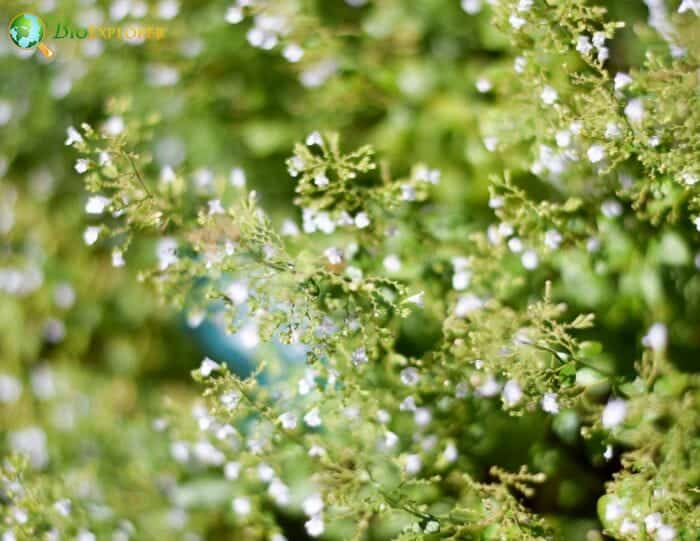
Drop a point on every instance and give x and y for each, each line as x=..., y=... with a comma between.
x=499, y=345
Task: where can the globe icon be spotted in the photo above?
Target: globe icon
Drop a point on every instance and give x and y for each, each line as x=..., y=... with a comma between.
x=27, y=31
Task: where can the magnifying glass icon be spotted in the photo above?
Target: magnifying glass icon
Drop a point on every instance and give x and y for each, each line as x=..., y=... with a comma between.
x=26, y=32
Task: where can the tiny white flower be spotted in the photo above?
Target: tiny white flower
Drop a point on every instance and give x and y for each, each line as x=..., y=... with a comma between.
x=614, y=413
x=466, y=304
x=690, y=179
x=608, y=453
x=549, y=403
x=512, y=393
x=583, y=45
x=656, y=337
x=234, y=15
x=595, y=153
x=416, y=299
x=611, y=208
x=563, y=138
x=516, y=21
x=315, y=526
x=313, y=418
x=321, y=180
x=530, y=260
x=290, y=228
x=96, y=204
x=410, y=376
x=489, y=388
x=392, y=263
x=334, y=255
x=117, y=258
x=612, y=130
x=408, y=192
x=483, y=85
x=552, y=239
x=359, y=356
x=599, y=39
x=515, y=245
x=293, y=52
x=361, y=220
x=316, y=450
x=312, y=505
x=549, y=95
x=82, y=165
x=412, y=464
x=63, y=507
x=314, y=138
x=622, y=80
x=73, y=136
x=665, y=533
x=390, y=439
x=237, y=292
x=690, y=5
x=114, y=125
x=450, y=453
x=614, y=510
x=491, y=143
x=208, y=366
x=461, y=280
x=241, y=506
x=232, y=470
x=472, y=7
x=279, y=492
x=10, y=389
x=634, y=110
x=215, y=207
x=237, y=177
x=288, y=420
x=652, y=522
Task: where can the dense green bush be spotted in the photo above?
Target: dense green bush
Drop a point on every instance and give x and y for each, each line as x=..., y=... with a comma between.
x=440, y=261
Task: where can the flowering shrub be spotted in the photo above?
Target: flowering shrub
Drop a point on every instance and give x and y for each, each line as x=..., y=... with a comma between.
x=464, y=307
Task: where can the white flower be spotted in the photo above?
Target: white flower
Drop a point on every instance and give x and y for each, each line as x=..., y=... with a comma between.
x=690, y=179
x=614, y=413
x=234, y=15
x=63, y=507
x=410, y=376
x=117, y=258
x=408, y=192
x=595, y=153
x=288, y=420
x=416, y=299
x=96, y=204
x=491, y=143
x=628, y=527
x=450, y=453
x=312, y=505
x=466, y=304
x=114, y=125
x=392, y=263
x=512, y=393
x=82, y=165
x=248, y=335
x=279, y=492
x=237, y=292
x=232, y=470
x=165, y=251
x=290, y=228
x=608, y=453
x=321, y=180
x=85, y=535
x=635, y=111
x=390, y=439
x=313, y=418
x=515, y=245
x=483, y=85
x=361, y=220
x=208, y=366
x=530, y=260
x=549, y=403
x=293, y=52
x=10, y=389
x=552, y=239
x=314, y=526
x=696, y=221
x=237, y=177
x=665, y=533
x=611, y=208
x=359, y=356
x=563, y=138
x=583, y=45
x=656, y=337
x=519, y=64
x=314, y=138
x=612, y=130
x=30, y=441
x=516, y=21
x=334, y=255
x=488, y=388
x=472, y=7
x=652, y=522
x=622, y=80
x=215, y=207
x=525, y=5
x=690, y=5
x=412, y=464
x=241, y=506
x=614, y=510
x=461, y=280
x=73, y=136
x=549, y=95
